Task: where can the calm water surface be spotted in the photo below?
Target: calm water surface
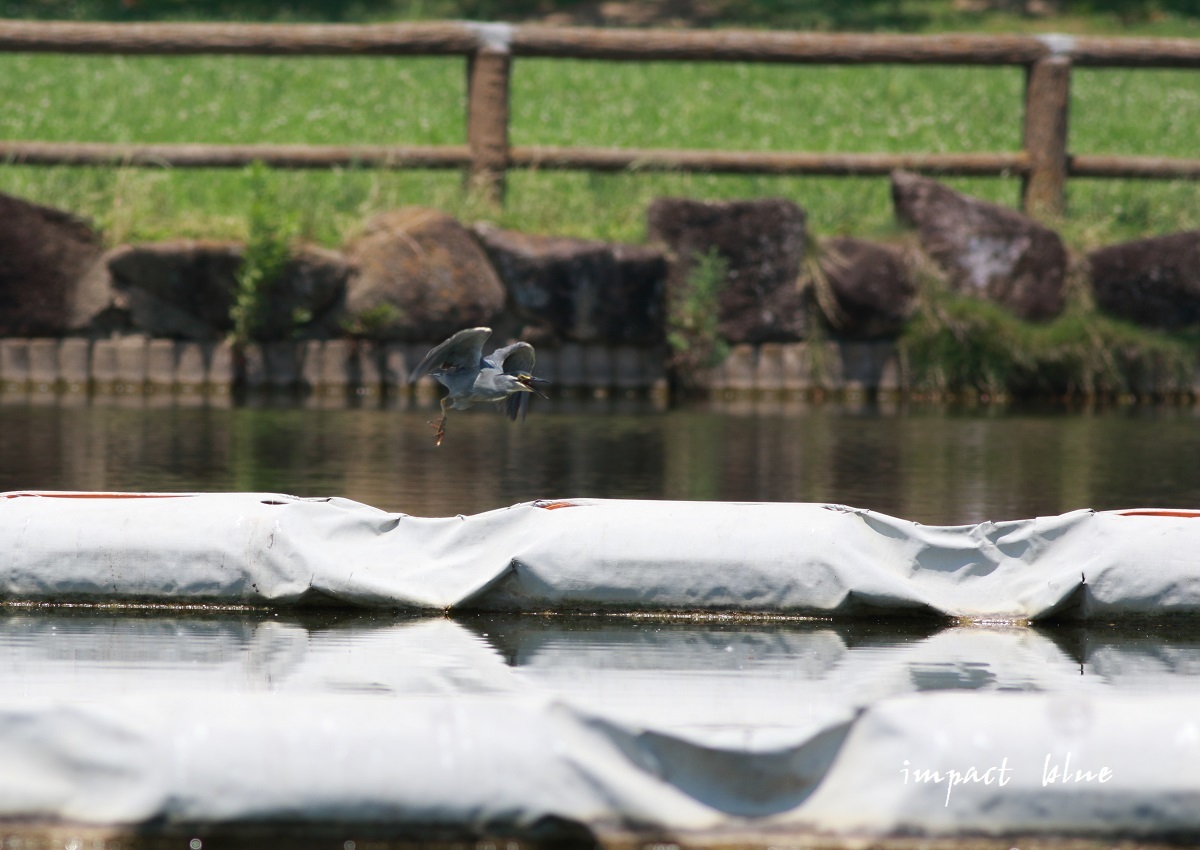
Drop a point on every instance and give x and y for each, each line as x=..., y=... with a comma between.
x=708, y=678
x=690, y=677
x=928, y=465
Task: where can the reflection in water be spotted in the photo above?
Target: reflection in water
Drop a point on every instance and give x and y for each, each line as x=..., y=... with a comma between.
x=740, y=686
x=711, y=678
x=927, y=465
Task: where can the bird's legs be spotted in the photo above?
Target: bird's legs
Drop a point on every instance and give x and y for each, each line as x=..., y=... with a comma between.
x=439, y=426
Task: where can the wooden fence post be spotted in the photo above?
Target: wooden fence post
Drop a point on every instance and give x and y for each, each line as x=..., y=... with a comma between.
x=488, y=73
x=1047, y=104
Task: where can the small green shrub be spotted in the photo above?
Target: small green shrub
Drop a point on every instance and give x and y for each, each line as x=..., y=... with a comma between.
x=372, y=322
x=267, y=253
x=692, y=319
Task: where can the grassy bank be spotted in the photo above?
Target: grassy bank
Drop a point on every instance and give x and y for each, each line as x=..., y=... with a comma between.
x=745, y=107
x=421, y=101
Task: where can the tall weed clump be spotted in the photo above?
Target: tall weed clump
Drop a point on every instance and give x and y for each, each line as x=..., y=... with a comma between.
x=266, y=256
x=693, y=332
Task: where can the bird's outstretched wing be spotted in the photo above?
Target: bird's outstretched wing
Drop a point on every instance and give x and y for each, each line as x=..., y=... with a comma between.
x=464, y=350
x=515, y=359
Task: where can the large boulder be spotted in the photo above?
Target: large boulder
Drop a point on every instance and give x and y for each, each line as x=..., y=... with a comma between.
x=985, y=249
x=762, y=245
x=420, y=276
x=580, y=289
x=1153, y=282
x=864, y=290
x=43, y=252
x=306, y=301
x=182, y=289
x=186, y=289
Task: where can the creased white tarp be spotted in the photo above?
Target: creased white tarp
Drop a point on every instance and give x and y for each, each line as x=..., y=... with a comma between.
x=938, y=763
x=588, y=554
x=1006, y=763
x=511, y=725
x=747, y=685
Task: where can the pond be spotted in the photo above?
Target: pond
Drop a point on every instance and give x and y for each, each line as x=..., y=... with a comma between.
x=932, y=465
x=724, y=679
x=717, y=685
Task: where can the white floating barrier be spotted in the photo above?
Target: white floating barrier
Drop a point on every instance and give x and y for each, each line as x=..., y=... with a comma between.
x=939, y=764
x=584, y=554
x=423, y=727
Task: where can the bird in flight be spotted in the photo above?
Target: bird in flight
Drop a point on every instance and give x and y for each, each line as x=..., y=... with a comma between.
x=505, y=375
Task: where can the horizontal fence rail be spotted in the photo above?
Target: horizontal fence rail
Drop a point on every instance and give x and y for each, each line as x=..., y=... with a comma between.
x=466, y=38
x=1043, y=164
x=846, y=164
x=234, y=156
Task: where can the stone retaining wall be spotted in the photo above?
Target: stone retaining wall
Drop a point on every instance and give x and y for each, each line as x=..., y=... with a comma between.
x=845, y=367
x=134, y=364
x=137, y=364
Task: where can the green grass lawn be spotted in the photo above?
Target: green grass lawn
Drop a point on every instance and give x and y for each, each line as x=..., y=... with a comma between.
x=421, y=101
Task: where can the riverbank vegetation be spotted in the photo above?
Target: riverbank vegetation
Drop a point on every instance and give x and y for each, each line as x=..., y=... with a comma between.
x=956, y=345
x=420, y=101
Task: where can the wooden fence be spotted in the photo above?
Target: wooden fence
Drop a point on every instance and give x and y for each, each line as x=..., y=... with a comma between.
x=1043, y=164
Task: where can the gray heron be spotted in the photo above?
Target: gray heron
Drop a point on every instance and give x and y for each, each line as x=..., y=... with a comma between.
x=505, y=375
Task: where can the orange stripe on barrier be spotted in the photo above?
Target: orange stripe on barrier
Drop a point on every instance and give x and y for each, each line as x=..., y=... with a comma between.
x=66, y=494
x=553, y=506
x=1155, y=512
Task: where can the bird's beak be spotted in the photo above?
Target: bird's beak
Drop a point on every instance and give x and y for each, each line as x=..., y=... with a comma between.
x=518, y=402
x=527, y=383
